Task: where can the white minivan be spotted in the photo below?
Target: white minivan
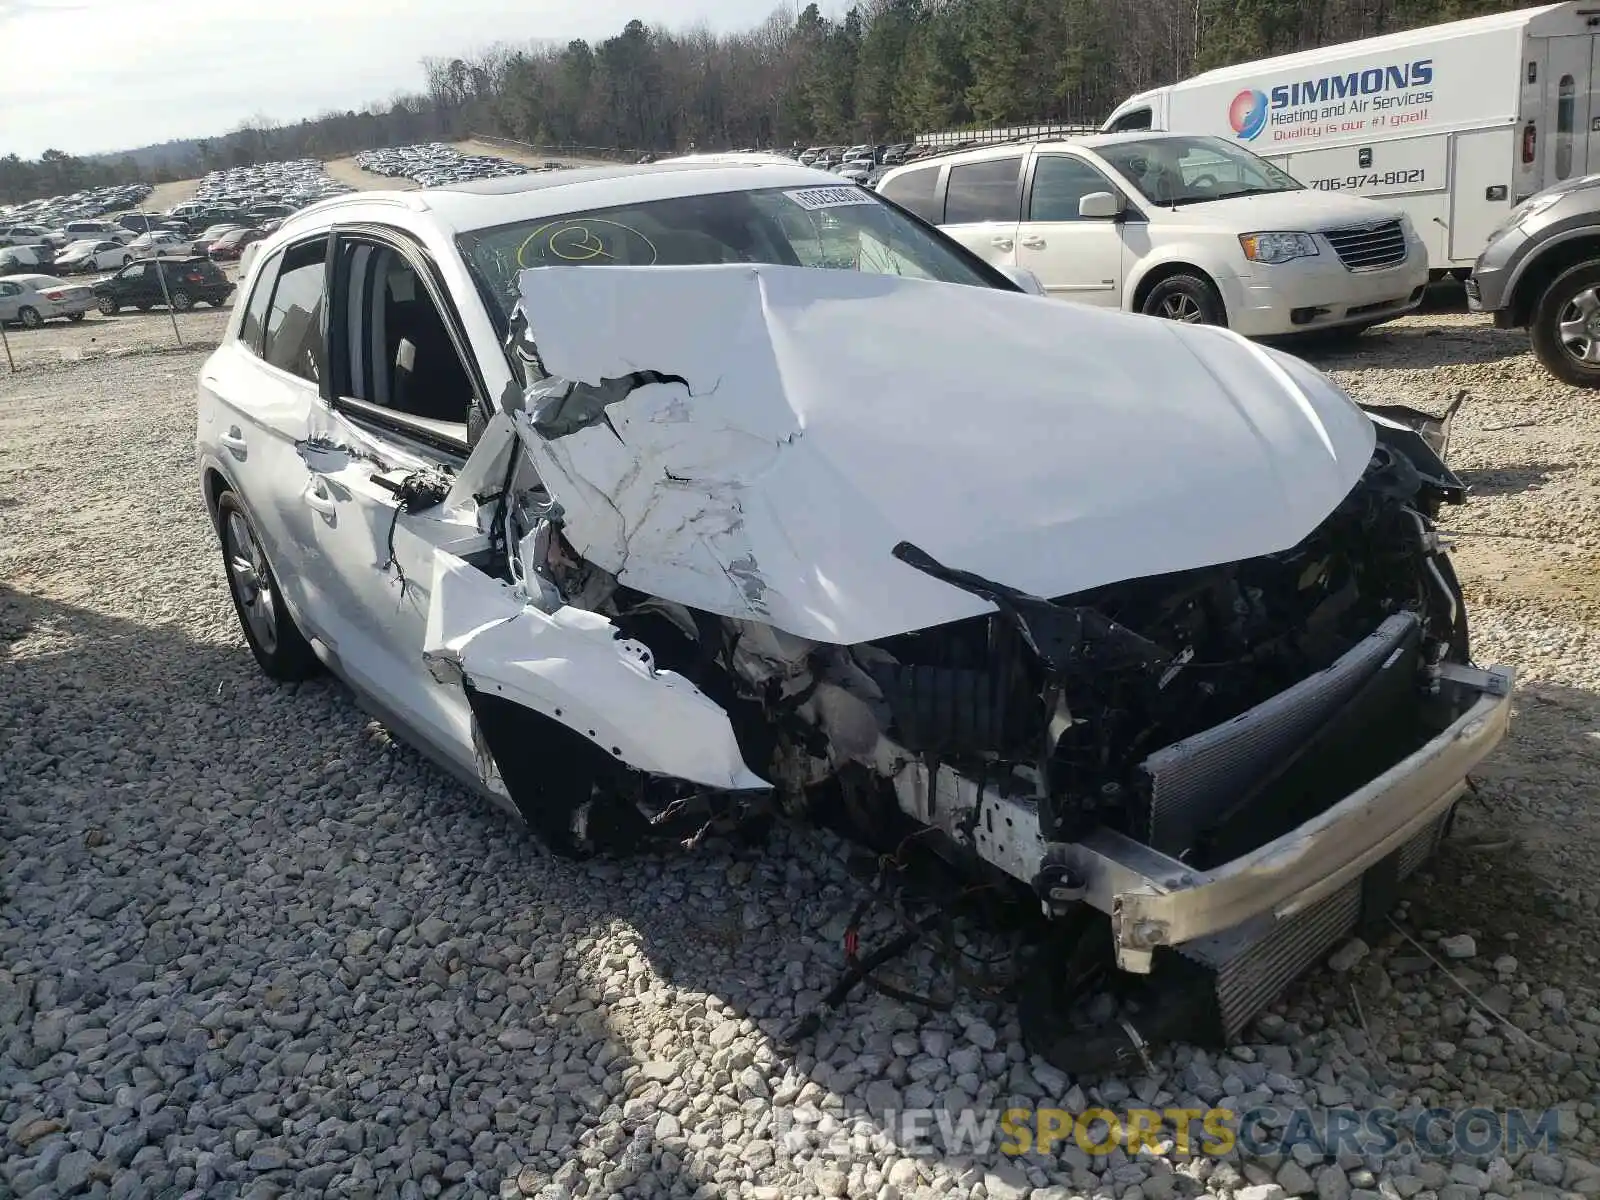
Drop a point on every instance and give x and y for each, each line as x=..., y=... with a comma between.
x=1192, y=228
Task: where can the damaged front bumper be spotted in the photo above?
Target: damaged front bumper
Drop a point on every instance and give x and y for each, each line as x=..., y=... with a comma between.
x=1157, y=901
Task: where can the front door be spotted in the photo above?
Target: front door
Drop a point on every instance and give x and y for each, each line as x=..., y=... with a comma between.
x=1570, y=109
x=1075, y=257
x=396, y=363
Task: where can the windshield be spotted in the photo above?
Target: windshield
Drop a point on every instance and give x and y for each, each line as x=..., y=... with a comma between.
x=838, y=228
x=1193, y=170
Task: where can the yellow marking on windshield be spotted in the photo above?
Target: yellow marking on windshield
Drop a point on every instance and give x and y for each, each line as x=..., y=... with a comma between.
x=573, y=241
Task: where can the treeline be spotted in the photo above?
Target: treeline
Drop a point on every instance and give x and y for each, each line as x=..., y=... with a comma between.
x=886, y=69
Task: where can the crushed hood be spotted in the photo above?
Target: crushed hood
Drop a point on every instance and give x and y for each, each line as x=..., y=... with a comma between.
x=754, y=440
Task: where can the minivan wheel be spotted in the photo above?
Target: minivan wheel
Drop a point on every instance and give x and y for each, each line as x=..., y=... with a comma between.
x=29, y=316
x=280, y=649
x=1565, y=329
x=108, y=306
x=1188, y=299
x=181, y=301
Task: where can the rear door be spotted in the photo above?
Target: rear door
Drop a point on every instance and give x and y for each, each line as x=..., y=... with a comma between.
x=983, y=206
x=257, y=401
x=1569, y=107
x=1076, y=258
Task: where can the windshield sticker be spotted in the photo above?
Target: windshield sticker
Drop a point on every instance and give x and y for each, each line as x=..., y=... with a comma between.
x=812, y=199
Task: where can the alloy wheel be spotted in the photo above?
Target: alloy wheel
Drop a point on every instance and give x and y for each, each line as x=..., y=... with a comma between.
x=1579, y=326
x=248, y=567
x=1179, y=307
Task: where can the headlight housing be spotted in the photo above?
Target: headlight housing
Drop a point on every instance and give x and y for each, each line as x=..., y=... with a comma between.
x=1277, y=247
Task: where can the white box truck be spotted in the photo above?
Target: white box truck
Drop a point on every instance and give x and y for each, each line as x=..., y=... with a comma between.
x=1455, y=123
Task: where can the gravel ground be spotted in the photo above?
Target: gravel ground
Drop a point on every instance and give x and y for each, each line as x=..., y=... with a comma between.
x=250, y=946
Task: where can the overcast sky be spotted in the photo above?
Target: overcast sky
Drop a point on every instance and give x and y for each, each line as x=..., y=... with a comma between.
x=86, y=76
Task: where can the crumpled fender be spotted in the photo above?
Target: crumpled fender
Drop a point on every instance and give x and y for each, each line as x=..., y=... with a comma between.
x=571, y=667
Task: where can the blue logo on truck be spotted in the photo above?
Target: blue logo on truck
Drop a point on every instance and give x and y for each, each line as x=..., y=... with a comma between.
x=1248, y=114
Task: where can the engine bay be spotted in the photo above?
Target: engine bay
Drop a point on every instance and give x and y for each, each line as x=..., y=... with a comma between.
x=1067, y=698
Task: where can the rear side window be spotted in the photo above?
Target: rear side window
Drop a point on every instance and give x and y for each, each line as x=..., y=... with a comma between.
x=292, y=339
x=916, y=191
x=255, y=313
x=983, y=191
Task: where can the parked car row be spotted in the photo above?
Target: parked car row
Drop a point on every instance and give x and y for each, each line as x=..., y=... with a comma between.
x=436, y=163
x=30, y=222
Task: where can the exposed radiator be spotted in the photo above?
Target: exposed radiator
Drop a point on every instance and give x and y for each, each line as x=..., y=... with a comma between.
x=1250, y=968
x=1185, y=786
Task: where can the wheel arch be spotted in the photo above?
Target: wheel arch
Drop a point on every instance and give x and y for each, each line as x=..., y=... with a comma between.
x=1167, y=269
x=1544, y=269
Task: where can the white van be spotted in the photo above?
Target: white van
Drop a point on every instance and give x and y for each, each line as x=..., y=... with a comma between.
x=1455, y=123
x=1184, y=226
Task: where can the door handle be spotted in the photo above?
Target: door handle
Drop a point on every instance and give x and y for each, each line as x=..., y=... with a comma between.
x=1033, y=243
x=317, y=497
x=1002, y=243
x=233, y=440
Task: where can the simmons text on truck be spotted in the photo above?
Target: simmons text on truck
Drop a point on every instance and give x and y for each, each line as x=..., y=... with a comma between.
x=1456, y=123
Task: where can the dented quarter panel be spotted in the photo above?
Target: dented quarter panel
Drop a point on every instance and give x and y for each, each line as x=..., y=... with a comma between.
x=570, y=666
x=1052, y=446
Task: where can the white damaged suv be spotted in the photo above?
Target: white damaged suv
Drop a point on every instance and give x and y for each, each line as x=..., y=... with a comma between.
x=1186, y=227
x=654, y=499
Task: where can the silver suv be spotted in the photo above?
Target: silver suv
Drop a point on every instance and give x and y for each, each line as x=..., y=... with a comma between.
x=1541, y=272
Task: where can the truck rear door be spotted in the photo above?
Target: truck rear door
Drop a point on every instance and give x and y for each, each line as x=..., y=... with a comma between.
x=1569, y=109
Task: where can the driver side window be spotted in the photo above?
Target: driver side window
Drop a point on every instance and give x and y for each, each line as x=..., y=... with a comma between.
x=400, y=363
x=1059, y=182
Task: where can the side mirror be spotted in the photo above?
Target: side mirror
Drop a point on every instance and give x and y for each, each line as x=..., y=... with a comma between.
x=1024, y=279
x=1099, y=206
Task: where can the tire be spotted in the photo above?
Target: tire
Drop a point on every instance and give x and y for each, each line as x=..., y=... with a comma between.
x=75, y=317
x=126, y=259
x=29, y=316
x=181, y=302
x=108, y=307
x=1573, y=300
x=1190, y=299
x=280, y=649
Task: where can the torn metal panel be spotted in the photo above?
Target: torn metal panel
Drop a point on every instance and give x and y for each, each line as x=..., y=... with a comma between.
x=784, y=442
x=570, y=666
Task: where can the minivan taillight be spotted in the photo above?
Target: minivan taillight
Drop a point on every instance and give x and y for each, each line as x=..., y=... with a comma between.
x=1530, y=143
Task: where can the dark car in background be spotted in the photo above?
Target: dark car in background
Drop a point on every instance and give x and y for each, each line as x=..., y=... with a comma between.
x=182, y=282
x=1541, y=272
x=230, y=245
x=141, y=222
